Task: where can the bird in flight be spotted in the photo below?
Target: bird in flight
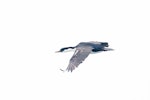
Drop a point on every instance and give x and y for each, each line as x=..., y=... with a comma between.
x=83, y=49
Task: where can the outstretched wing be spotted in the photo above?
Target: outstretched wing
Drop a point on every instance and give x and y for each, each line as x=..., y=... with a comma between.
x=78, y=57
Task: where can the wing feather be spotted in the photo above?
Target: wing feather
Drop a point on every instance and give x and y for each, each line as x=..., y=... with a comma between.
x=80, y=54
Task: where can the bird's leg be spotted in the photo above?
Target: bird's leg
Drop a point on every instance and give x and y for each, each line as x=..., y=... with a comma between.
x=65, y=48
x=108, y=49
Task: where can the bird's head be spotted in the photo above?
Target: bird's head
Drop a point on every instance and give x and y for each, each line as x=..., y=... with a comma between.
x=105, y=44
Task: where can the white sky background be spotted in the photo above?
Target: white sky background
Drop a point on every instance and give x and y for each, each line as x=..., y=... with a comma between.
x=32, y=30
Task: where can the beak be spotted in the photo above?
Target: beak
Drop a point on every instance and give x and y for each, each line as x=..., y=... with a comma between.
x=57, y=51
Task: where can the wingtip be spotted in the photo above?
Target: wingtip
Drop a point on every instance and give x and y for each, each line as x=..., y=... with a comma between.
x=62, y=70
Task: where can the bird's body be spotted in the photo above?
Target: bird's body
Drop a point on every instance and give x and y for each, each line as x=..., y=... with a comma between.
x=83, y=49
x=96, y=46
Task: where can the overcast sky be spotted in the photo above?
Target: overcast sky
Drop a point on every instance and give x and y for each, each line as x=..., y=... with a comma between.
x=32, y=30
